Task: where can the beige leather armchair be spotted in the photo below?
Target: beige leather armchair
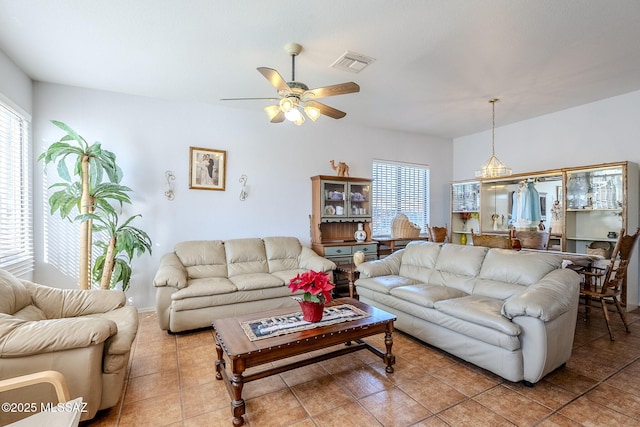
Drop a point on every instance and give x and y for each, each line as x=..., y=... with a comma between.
x=85, y=335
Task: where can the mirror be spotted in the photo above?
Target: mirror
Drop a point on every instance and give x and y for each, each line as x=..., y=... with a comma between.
x=508, y=201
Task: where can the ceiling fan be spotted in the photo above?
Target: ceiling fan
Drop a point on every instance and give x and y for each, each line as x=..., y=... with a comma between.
x=296, y=97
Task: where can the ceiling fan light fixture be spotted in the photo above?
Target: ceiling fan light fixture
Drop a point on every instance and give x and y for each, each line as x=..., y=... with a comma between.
x=312, y=112
x=272, y=111
x=287, y=104
x=300, y=120
x=494, y=167
x=296, y=102
x=293, y=115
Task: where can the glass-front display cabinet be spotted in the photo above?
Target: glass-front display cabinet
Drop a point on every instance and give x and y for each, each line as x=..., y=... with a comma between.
x=595, y=209
x=465, y=211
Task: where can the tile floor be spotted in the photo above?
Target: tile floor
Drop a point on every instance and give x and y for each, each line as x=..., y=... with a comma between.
x=171, y=382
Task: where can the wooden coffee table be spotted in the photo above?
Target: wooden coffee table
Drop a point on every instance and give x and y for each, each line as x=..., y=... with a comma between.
x=232, y=341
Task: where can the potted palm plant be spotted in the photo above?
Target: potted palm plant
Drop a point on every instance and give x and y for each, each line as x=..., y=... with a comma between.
x=92, y=195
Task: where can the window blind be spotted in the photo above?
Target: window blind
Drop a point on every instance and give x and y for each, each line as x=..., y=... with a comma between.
x=16, y=215
x=399, y=187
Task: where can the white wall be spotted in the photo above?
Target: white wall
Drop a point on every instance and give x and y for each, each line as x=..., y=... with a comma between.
x=150, y=136
x=15, y=85
x=599, y=132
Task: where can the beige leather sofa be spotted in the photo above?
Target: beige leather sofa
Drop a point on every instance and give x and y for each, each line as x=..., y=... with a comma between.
x=512, y=313
x=85, y=335
x=209, y=279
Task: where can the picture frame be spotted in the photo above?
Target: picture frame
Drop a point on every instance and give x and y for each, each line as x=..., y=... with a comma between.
x=207, y=169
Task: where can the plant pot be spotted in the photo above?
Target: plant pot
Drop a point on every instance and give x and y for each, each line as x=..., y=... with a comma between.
x=311, y=311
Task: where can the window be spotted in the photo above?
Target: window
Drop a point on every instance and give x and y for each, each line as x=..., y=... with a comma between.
x=16, y=231
x=399, y=187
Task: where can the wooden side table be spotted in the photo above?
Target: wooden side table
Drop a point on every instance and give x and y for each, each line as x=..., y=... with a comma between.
x=351, y=273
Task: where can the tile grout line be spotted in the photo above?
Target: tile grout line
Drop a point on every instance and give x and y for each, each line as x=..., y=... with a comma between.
x=591, y=388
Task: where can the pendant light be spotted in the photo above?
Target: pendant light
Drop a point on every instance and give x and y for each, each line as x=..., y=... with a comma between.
x=494, y=168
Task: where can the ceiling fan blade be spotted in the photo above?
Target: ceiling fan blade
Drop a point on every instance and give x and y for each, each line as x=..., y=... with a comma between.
x=274, y=78
x=326, y=110
x=279, y=118
x=339, y=89
x=247, y=99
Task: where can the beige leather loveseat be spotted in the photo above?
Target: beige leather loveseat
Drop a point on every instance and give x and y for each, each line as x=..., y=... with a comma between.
x=209, y=279
x=85, y=335
x=512, y=313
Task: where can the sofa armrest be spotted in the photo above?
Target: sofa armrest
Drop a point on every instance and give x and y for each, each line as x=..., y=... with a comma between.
x=20, y=338
x=309, y=260
x=388, y=266
x=556, y=293
x=171, y=272
x=60, y=303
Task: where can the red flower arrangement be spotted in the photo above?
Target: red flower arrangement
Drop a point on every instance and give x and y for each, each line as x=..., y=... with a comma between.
x=315, y=284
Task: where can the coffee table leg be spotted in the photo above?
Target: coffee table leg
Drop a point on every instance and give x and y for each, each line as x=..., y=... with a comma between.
x=389, y=358
x=237, y=404
x=219, y=360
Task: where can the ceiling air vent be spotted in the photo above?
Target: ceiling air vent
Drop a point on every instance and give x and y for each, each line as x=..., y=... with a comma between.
x=352, y=62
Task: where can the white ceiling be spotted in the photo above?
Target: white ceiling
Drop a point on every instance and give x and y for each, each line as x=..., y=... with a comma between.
x=438, y=62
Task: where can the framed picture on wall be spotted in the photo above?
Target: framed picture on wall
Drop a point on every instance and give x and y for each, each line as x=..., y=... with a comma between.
x=207, y=169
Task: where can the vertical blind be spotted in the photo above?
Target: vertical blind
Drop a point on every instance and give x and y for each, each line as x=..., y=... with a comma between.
x=16, y=229
x=399, y=187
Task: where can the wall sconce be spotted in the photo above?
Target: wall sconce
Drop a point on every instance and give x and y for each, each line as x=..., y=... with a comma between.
x=170, y=177
x=244, y=192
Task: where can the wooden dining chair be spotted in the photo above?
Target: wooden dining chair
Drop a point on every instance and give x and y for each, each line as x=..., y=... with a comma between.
x=605, y=284
x=533, y=239
x=438, y=234
x=491, y=240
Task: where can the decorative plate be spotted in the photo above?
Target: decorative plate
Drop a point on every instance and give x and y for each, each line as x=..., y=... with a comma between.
x=330, y=210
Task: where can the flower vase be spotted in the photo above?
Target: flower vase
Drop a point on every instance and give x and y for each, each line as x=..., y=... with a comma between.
x=360, y=235
x=311, y=311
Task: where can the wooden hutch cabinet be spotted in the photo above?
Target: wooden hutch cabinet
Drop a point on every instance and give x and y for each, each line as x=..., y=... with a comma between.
x=339, y=204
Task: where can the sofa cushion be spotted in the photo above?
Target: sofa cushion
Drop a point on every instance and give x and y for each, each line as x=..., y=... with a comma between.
x=458, y=266
x=419, y=260
x=30, y=313
x=287, y=275
x=245, y=256
x=204, y=287
x=13, y=295
x=203, y=258
x=384, y=284
x=426, y=295
x=211, y=301
x=450, y=326
x=253, y=281
x=506, y=272
x=480, y=310
x=282, y=253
